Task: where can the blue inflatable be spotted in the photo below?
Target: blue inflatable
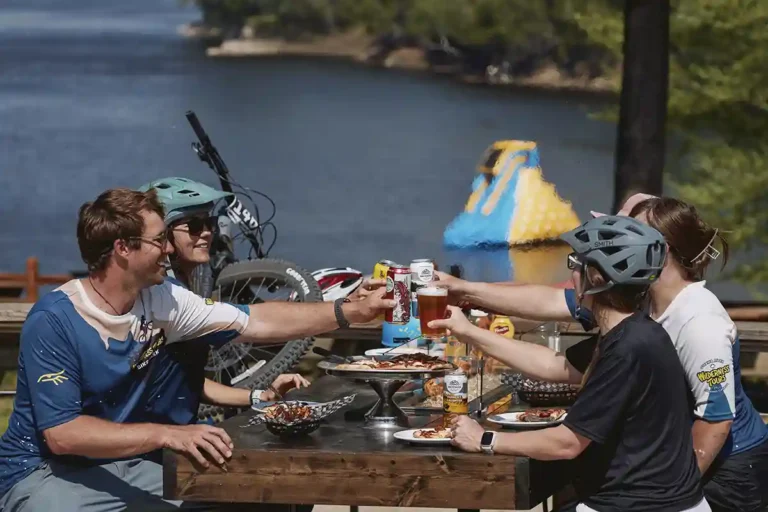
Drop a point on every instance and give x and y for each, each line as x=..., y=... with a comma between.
x=510, y=202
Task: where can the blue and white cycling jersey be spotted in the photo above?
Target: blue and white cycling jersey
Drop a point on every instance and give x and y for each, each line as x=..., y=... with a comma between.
x=75, y=360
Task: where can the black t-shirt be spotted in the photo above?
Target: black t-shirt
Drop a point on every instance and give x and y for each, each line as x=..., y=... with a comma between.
x=635, y=409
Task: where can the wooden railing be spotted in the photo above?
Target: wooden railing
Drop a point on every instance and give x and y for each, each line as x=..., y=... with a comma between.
x=25, y=287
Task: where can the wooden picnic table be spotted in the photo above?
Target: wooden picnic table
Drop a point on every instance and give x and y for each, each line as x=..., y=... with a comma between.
x=342, y=463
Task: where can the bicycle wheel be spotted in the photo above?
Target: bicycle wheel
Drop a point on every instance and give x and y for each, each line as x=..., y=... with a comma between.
x=248, y=365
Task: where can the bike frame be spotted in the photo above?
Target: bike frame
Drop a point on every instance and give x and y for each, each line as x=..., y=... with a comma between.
x=236, y=210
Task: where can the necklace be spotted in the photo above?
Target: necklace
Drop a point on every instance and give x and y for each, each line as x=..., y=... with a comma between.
x=102, y=296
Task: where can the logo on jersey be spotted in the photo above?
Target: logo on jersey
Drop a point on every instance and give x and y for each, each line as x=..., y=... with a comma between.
x=145, y=330
x=714, y=372
x=209, y=302
x=150, y=351
x=57, y=378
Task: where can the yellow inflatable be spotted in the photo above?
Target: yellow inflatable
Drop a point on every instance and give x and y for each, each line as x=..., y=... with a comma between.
x=510, y=203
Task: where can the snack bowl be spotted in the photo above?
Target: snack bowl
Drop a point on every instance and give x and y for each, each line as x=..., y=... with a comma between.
x=295, y=418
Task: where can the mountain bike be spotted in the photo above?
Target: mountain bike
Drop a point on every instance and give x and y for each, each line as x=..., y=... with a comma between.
x=257, y=279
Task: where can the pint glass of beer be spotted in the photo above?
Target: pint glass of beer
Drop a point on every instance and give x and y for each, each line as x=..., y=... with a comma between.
x=433, y=303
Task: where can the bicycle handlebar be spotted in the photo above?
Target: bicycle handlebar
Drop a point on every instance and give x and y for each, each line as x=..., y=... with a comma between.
x=208, y=154
x=198, y=128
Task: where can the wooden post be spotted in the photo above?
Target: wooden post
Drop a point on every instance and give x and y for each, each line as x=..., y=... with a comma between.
x=640, y=144
x=32, y=277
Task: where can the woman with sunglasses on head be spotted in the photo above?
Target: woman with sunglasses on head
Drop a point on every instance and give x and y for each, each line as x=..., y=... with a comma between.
x=179, y=385
x=629, y=428
x=729, y=437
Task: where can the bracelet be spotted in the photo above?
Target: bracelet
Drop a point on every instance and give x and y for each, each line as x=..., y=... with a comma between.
x=340, y=318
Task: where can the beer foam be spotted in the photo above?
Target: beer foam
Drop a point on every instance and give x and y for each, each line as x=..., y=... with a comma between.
x=432, y=291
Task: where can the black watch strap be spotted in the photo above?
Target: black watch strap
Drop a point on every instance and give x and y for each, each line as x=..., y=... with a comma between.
x=340, y=318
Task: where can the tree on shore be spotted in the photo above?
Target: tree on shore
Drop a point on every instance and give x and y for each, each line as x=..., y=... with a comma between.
x=717, y=115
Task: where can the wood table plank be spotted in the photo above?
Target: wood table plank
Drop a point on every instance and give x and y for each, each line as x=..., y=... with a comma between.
x=344, y=464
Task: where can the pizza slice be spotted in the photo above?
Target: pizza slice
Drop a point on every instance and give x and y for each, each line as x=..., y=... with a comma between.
x=433, y=433
x=541, y=415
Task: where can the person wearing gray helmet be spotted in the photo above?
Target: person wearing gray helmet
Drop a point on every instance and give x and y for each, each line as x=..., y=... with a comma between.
x=629, y=428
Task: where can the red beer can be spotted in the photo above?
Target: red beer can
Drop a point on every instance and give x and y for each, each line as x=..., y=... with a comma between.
x=399, y=290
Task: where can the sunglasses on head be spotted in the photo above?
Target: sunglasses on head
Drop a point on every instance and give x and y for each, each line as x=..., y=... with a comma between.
x=196, y=225
x=574, y=263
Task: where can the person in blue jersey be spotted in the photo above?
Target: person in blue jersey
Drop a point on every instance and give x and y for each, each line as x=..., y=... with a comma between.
x=629, y=429
x=179, y=384
x=729, y=437
x=78, y=437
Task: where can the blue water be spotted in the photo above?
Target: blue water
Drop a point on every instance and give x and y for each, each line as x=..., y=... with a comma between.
x=363, y=163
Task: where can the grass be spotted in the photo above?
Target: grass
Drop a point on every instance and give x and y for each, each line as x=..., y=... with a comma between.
x=7, y=382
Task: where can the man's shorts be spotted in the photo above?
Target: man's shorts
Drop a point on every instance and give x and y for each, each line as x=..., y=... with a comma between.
x=740, y=482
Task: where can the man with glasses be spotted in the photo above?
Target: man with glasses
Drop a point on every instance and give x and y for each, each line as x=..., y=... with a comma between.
x=80, y=436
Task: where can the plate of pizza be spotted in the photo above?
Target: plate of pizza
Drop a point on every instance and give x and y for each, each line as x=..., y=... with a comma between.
x=436, y=435
x=532, y=418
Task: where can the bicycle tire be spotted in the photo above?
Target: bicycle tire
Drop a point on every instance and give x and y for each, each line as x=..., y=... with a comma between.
x=201, y=280
x=308, y=290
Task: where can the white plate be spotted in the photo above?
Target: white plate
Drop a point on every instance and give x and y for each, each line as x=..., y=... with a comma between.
x=395, y=351
x=510, y=419
x=407, y=435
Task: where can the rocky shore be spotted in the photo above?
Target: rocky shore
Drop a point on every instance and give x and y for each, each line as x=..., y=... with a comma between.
x=360, y=47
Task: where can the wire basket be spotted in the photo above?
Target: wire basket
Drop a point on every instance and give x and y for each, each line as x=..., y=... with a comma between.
x=312, y=416
x=293, y=430
x=539, y=393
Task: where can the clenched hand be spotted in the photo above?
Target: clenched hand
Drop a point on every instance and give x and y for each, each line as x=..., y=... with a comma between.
x=197, y=440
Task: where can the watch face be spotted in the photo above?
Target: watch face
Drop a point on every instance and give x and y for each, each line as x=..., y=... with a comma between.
x=487, y=439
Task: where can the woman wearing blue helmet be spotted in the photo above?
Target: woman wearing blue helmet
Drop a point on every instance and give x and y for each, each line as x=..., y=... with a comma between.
x=180, y=382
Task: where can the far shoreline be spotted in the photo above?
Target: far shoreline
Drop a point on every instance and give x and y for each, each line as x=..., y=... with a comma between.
x=356, y=47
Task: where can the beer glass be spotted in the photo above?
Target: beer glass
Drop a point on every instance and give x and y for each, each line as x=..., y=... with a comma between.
x=433, y=303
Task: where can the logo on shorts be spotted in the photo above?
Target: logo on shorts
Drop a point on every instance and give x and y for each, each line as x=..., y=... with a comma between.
x=57, y=378
x=209, y=302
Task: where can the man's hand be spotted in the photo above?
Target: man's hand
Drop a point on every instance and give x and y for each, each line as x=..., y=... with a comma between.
x=193, y=440
x=365, y=310
x=367, y=287
x=456, y=324
x=283, y=384
x=456, y=287
x=466, y=434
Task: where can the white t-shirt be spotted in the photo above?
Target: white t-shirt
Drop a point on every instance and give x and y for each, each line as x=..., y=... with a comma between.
x=180, y=314
x=704, y=336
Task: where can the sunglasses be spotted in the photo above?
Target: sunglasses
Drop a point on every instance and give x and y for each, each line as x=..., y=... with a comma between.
x=574, y=263
x=158, y=241
x=195, y=226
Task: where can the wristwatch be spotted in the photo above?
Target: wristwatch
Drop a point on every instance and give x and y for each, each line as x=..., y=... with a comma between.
x=487, y=441
x=256, y=396
x=340, y=318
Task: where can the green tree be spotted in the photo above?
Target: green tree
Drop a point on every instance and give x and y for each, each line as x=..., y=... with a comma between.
x=718, y=112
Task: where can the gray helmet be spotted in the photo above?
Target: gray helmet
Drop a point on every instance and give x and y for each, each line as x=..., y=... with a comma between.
x=623, y=249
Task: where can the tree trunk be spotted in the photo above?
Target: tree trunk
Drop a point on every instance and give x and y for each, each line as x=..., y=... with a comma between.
x=640, y=144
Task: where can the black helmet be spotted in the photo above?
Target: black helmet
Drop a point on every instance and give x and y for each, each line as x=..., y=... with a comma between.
x=623, y=249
